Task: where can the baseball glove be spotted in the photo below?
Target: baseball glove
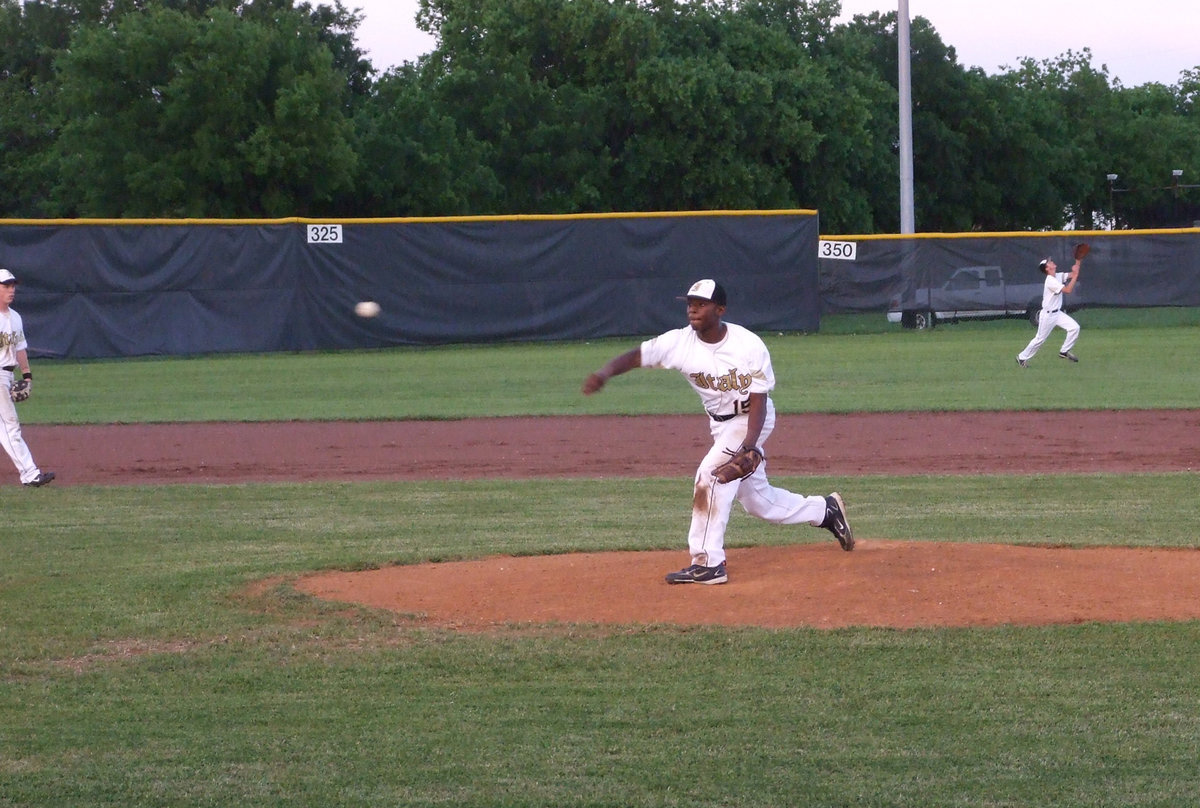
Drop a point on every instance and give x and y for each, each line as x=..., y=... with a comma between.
x=20, y=390
x=1081, y=251
x=739, y=466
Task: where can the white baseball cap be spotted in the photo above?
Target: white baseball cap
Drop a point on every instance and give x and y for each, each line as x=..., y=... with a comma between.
x=7, y=277
x=707, y=289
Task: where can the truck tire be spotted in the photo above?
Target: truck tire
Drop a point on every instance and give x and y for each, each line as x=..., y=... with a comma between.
x=1033, y=313
x=917, y=319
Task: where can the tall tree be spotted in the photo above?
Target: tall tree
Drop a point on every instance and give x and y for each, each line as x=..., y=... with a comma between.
x=965, y=142
x=31, y=35
x=269, y=107
x=1149, y=135
x=626, y=105
x=533, y=80
x=415, y=159
x=166, y=114
x=1071, y=105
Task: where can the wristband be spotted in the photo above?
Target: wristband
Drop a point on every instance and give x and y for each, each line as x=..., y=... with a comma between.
x=27, y=375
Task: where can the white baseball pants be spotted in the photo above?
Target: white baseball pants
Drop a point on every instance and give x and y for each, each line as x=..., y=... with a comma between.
x=1046, y=323
x=712, y=502
x=10, y=432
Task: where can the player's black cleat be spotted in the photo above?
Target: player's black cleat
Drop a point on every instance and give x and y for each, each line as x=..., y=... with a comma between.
x=42, y=478
x=1070, y=357
x=1022, y=362
x=698, y=574
x=836, y=521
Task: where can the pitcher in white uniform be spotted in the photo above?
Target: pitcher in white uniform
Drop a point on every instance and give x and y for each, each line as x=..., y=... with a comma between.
x=13, y=357
x=730, y=368
x=1057, y=284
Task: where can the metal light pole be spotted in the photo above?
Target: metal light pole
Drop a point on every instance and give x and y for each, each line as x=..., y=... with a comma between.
x=904, y=54
x=1112, y=205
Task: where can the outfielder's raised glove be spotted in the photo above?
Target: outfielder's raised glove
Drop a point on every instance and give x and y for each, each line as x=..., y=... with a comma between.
x=1081, y=251
x=20, y=390
x=739, y=466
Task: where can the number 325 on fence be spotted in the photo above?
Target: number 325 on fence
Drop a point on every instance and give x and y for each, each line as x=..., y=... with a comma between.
x=324, y=233
x=838, y=250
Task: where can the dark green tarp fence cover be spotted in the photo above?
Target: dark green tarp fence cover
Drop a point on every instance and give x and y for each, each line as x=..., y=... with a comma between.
x=126, y=288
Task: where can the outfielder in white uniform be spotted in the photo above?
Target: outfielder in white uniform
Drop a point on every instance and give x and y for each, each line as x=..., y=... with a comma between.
x=1057, y=285
x=730, y=368
x=13, y=355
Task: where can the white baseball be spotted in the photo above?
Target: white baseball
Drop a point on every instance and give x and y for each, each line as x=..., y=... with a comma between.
x=366, y=308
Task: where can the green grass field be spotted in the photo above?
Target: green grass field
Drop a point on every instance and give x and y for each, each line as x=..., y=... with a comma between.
x=1132, y=359
x=136, y=669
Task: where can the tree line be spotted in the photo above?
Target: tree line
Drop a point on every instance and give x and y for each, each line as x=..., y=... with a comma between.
x=269, y=108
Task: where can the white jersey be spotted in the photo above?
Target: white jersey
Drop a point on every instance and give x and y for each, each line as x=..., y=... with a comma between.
x=1052, y=291
x=723, y=373
x=12, y=337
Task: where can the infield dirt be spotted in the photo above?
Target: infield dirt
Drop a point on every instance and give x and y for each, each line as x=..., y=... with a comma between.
x=881, y=583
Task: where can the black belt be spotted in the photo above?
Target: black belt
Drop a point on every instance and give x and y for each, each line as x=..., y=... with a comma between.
x=722, y=417
x=10, y=368
x=1053, y=311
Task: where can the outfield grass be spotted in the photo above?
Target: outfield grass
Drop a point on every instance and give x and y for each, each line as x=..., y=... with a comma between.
x=136, y=669
x=1126, y=363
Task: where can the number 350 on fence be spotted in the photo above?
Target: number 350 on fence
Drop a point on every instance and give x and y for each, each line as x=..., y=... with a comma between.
x=838, y=250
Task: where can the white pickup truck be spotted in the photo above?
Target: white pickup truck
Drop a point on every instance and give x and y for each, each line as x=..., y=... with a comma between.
x=969, y=293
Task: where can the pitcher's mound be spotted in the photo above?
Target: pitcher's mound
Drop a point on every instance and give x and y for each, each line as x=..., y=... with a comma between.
x=880, y=583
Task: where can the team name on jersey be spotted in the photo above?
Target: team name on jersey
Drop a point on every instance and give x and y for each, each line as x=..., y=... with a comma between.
x=8, y=338
x=725, y=383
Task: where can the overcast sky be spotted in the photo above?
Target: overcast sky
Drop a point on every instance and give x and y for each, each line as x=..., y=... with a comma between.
x=1140, y=42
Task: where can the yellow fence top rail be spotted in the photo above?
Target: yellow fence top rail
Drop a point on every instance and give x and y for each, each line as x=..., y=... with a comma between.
x=1011, y=234
x=407, y=220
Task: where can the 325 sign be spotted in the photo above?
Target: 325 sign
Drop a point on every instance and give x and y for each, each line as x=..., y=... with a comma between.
x=324, y=233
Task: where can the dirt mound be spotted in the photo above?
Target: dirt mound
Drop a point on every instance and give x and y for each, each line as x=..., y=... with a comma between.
x=880, y=583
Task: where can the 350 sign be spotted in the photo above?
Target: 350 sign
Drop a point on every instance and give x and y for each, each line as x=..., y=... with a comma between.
x=838, y=250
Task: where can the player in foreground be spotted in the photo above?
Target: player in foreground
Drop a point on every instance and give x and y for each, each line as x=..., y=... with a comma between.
x=1057, y=285
x=13, y=356
x=730, y=368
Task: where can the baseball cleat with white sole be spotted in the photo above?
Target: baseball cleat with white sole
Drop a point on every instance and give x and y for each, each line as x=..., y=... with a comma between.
x=836, y=521
x=699, y=574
